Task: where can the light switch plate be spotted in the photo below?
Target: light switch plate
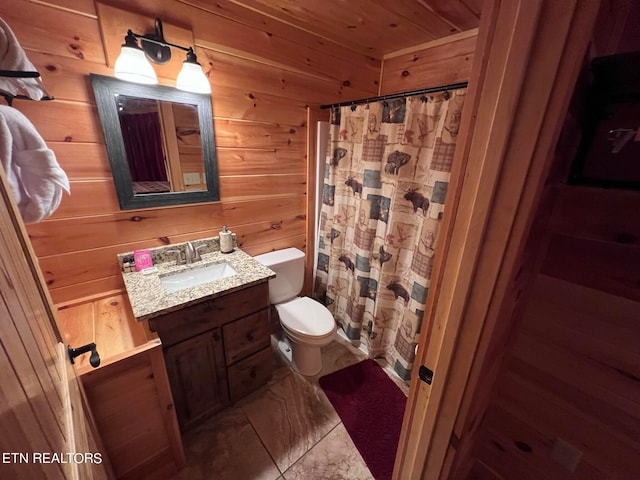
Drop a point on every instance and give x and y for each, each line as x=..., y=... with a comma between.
x=191, y=178
x=566, y=454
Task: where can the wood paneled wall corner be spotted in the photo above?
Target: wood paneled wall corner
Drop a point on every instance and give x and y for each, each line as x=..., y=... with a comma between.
x=440, y=62
x=314, y=115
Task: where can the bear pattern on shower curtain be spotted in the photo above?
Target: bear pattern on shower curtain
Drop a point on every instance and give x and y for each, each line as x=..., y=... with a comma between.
x=388, y=169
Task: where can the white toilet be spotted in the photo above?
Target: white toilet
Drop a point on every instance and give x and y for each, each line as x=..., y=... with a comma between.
x=307, y=324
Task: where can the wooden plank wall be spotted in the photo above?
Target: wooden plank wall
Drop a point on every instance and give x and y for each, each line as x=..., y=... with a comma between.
x=432, y=64
x=574, y=369
x=574, y=372
x=264, y=75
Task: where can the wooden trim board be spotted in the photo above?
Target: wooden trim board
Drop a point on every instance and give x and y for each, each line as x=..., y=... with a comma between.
x=434, y=43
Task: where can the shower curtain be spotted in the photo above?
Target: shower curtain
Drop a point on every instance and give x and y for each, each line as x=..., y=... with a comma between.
x=386, y=175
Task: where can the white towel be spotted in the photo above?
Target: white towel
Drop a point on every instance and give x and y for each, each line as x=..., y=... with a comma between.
x=13, y=57
x=33, y=173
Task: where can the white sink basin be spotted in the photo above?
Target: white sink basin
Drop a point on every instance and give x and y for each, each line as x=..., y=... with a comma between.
x=174, y=282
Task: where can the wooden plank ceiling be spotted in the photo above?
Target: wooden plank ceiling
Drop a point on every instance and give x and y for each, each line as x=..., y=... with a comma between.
x=372, y=27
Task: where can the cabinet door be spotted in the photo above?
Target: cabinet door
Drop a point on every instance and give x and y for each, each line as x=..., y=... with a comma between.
x=197, y=375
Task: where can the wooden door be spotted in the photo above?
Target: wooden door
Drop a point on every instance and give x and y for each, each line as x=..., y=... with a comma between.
x=527, y=59
x=45, y=429
x=197, y=375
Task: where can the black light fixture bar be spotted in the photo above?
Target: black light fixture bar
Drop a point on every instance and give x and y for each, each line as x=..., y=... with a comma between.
x=136, y=57
x=155, y=47
x=162, y=43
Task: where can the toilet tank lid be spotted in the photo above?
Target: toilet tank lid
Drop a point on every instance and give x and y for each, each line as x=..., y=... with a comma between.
x=279, y=256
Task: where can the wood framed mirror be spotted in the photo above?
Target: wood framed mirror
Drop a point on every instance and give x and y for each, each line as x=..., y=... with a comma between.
x=160, y=143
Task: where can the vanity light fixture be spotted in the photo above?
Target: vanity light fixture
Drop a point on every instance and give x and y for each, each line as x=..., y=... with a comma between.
x=133, y=62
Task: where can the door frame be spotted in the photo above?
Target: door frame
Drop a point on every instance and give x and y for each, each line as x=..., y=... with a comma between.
x=527, y=60
x=47, y=411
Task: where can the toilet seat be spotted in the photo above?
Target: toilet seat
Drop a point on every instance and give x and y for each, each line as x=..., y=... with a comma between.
x=305, y=317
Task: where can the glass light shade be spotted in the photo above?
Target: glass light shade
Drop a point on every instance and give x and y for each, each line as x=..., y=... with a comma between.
x=133, y=66
x=192, y=79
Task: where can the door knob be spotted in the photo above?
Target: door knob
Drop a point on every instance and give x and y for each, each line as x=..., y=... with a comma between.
x=94, y=359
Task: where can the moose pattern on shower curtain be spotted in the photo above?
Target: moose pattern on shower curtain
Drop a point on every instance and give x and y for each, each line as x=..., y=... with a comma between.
x=386, y=177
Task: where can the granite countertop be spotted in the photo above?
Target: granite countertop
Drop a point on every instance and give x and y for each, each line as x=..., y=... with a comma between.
x=149, y=299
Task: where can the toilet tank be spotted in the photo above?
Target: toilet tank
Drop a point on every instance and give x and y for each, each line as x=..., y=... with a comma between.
x=289, y=267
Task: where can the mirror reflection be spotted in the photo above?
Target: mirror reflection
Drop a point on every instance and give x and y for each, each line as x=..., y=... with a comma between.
x=160, y=143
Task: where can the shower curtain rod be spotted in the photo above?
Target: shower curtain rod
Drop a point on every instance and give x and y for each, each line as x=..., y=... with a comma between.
x=452, y=86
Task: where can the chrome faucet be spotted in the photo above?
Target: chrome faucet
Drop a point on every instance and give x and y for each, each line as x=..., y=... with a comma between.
x=192, y=254
x=189, y=252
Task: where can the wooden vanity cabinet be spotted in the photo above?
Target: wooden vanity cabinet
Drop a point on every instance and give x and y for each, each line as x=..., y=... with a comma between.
x=216, y=351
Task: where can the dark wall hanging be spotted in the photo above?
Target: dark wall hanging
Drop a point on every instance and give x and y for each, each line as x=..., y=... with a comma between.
x=609, y=153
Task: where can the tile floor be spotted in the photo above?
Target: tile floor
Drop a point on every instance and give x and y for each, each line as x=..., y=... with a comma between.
x=287, y=430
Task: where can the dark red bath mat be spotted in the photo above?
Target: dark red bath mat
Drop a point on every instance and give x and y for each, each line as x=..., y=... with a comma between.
x=371, y=408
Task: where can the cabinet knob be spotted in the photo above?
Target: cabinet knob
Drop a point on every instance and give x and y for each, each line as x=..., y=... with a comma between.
x=216, y=336
x=253, y=373
x=250, y=336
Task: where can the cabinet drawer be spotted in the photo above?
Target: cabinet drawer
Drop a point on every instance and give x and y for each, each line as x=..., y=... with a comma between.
x=199, y=318
x=250, y=373
x=182, y=324
x=245, y=336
